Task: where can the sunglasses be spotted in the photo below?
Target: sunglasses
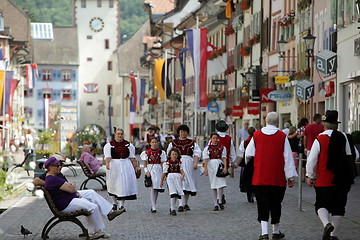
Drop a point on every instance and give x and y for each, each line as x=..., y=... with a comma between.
x=57, y=165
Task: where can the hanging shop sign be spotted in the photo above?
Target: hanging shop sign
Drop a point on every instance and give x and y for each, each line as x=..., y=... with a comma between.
x=326, y=62
x=218, y=82
x=281, y=79
x=264, y=95
x=280, y=96
x=255, y=95
x=329, y=89
x=305, y=89
x=213, y=106
x=238, y=111
x=253, y=108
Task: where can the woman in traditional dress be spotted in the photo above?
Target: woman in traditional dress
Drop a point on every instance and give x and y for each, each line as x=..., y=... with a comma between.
x=121, y=165
x=213, y=155
x=153, y=159
x=190, y=154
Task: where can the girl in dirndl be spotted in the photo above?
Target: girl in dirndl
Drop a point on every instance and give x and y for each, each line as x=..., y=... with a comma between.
x=121, y=165
x=173, y=172
x=213, y=155
x=153, y=159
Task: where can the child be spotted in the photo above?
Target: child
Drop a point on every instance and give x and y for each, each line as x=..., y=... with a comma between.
x=175, y=174
x=153, y=158
x=215, y=154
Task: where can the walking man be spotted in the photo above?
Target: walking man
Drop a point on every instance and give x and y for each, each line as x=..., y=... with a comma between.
x=273, y=168
x=329, y=166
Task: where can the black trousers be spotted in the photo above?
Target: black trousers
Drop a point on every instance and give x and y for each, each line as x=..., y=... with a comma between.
x=269, y=199
x=332, y=198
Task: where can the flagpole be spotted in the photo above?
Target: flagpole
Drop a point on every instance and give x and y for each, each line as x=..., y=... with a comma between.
x=183, y=87
x=196, y=90
x=165, y=83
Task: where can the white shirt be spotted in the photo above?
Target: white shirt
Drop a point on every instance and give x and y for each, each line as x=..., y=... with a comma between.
x=241, y=149
x=312, y=159
x=289, y=166
x=286, y=131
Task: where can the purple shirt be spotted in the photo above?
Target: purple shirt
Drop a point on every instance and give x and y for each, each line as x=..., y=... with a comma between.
x=61, y=198
x=91, y=160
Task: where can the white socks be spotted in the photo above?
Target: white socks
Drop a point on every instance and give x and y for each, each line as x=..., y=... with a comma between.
x=121, y=203
x=172, y=203
x=220, y=192
x=264, y=227
x=336, y=220
x=181, y=201
x=186, y=198
x=276, y=228
x=324, y=216
x=114, y=200
x=153, y=198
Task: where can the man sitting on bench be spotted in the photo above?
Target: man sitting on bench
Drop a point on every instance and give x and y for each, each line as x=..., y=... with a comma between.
x=93, y=164
x=68, y=199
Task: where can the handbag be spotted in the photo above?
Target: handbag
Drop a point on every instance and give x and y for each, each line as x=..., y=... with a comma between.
x=147, y=181
x=220, y=172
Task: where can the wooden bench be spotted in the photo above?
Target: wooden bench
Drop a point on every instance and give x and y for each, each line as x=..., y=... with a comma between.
x=97, y=176
x=62, y=217
x=24, y=162
x=71, y=167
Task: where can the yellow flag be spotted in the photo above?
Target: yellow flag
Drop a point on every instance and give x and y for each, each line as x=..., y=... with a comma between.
x=158, y=68
x=228, y=9
x=2, y=81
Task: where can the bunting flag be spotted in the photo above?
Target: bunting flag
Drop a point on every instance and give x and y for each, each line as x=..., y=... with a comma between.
x=181, y=59
x=159, y=64
x=197, y=39
x=31, y=75
x=138, y=91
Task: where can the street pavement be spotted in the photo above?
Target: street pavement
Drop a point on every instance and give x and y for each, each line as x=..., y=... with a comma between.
x=237, y=221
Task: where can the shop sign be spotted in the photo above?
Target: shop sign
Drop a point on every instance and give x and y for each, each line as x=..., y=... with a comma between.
x=326, y=62
x=253, y=108
x=305, y=89
x=329, y=89
x=281, y=79
x=218, y=82
x=213, y=106
x=264, y=95
x=255, y=96
x=280, y=96
x=238, y=111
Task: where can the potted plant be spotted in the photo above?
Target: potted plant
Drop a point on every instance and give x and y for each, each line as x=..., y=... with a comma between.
x=44, y=139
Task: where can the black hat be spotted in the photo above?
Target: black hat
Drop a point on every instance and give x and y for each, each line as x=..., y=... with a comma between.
x=221, y=126
x=331, y=116
x=183, y=127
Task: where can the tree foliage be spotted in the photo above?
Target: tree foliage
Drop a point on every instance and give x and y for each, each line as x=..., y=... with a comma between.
x=60, y=13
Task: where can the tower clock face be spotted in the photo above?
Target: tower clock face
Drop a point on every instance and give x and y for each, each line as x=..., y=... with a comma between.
x=96, y=24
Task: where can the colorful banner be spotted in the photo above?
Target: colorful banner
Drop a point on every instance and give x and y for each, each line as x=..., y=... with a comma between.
x=238, y=111
x=281, y=79
x=158, y=67
x=197, y=39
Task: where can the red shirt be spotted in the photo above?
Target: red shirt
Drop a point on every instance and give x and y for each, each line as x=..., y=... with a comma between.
x=311, y=132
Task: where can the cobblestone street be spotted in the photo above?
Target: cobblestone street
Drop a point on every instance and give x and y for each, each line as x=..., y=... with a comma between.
x=237, y=221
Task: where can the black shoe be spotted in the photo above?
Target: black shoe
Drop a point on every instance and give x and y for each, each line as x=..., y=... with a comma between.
x=115, y=207
x=334, y=238
x=223, y=199
x=187, y=208
x=263, y=237
x=222, y=207
x=153, y=210
x=122, y=207
x=216, y=208
x=180, y=209
x=276, y=236
x=113, y=214
x=327, y=230
x=173, y=213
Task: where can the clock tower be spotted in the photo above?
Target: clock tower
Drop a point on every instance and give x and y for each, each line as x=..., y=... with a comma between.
x=98, y=28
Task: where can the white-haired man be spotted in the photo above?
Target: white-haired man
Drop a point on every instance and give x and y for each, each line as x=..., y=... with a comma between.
x=273, y=168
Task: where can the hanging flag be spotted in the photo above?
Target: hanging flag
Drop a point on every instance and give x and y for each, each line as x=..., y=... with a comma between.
x=46, y=112
x=197, y=39
x=2, y=84
x=210, y=48
x=8, y=82
x=13, y=88
x=142, y=93
x=181, y=59
x=134, y=93
x=230, y=8
x=158, y=69
x=168, y=86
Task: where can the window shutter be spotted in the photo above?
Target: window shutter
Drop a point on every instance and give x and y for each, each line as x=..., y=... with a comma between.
x=54, y=75
x=40, y=75
x=73, y=94
x=59, y=73
x=73, y=75
x=39, y=113
x=39, y=94
x=326, y=40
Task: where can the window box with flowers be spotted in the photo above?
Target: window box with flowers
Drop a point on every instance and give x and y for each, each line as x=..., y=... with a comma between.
x=245, y=51
x=245, y=5
x=255, y=39
x=229, y=30
x=287, y=19
x=229, y=70
x=217, y=52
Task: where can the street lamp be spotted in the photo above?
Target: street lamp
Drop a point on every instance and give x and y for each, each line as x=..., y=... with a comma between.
x=309, y=44
x=282, y=44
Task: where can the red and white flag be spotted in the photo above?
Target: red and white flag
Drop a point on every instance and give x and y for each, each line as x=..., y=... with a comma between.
x=198, y=45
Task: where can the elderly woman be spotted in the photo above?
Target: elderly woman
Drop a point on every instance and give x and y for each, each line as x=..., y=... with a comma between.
x=68, y=199
x=190, y=153
x=120, y=163
x=88, y=158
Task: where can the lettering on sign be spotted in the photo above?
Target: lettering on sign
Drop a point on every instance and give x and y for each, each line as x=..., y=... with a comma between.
x=280, y=95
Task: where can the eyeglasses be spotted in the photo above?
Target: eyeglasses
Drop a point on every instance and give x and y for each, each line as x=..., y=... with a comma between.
x=57, y=165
